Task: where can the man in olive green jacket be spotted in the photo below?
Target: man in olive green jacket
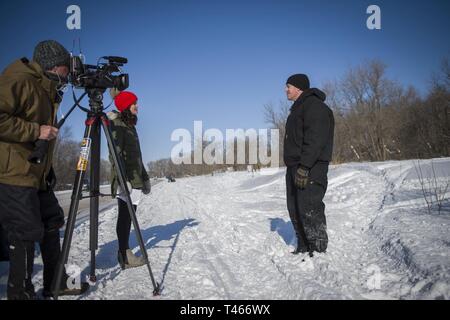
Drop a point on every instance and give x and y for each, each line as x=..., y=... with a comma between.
x=29, y=211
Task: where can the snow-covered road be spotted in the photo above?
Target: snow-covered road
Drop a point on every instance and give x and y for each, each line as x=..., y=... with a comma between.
x=228, y=236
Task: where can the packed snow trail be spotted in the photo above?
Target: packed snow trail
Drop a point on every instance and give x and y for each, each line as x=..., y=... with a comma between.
x=228, y=236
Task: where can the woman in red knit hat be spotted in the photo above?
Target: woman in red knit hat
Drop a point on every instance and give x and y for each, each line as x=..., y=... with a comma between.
x=123, y=128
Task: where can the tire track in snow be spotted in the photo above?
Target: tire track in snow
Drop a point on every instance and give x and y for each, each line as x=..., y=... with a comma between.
x=207, y=252
x=253, y=223
x=226, y=270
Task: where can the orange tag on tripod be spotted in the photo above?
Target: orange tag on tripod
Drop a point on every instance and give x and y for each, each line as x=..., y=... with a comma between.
x=84, y=154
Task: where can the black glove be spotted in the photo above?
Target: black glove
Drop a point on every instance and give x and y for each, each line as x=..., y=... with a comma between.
x=301, y=178
x=147, y=187
x=51, y=179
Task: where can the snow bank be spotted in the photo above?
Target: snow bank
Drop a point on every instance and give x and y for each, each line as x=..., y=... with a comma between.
x=228, y=236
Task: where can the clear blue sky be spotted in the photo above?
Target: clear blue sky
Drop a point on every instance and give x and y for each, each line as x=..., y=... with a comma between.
x=221, y=61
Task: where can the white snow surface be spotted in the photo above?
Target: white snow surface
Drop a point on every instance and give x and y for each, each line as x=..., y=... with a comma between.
x=229, y=236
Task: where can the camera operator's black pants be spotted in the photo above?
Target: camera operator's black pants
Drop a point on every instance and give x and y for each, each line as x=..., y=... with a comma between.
x=4, y=255
x=307, y=210
x=28, y=216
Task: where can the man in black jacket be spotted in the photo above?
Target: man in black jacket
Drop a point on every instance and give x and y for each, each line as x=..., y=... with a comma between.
x=308, y=146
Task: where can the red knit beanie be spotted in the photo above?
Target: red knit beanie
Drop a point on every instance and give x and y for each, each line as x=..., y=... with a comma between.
x=124, y=100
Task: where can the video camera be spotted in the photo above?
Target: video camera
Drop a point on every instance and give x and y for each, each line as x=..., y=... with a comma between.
x=99, y=76
x=94, y=79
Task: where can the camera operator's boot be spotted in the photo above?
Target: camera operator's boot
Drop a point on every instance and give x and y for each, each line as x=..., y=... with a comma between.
x=20, y=287
x=65, y=290
x=50, y=249
x=301, y=247
x=128, y=260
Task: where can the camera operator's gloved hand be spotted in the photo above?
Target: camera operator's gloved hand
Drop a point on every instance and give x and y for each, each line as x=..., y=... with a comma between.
x=147, y=187
x=51, y=179
x=301, y=178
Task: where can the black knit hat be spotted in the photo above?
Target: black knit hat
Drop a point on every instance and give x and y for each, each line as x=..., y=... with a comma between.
x=49, y=54
x=299, y=81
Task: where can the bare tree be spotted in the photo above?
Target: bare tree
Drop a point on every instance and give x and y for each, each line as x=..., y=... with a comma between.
x=376, y=119
x=65, y=159
x=276, y=118
x=434, y=193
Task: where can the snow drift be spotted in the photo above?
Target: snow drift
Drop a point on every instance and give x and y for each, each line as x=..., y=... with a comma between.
x=228, y=236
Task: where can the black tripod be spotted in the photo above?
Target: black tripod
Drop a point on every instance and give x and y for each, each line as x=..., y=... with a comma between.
x=96, y=119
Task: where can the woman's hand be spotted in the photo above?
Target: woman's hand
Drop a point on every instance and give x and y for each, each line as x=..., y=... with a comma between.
x=147, y=188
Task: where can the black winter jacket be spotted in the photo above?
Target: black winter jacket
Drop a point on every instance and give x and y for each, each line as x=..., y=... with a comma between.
x=309, y=131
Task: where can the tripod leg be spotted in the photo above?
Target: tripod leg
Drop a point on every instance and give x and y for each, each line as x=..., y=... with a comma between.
x=76, y=195
x=122, y=182
x=94, y=192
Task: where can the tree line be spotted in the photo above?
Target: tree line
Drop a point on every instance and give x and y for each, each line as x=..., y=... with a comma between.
x=376, y=119
x=65, y=158
x=166, y=168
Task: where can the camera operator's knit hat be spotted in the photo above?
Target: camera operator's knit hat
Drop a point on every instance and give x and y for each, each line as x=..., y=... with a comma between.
x=299, y=81
x=50, y=53
x=124, y=100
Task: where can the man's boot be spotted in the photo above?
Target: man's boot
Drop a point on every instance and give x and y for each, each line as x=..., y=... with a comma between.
x=301, y=247
x=65, y=290
x=320, y=245
x=20, y=286
x=50, y=249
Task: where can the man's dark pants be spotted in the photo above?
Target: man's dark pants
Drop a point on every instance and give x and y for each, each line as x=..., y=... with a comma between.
x=28, y=216
x=307, y=210
x=4, y=255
